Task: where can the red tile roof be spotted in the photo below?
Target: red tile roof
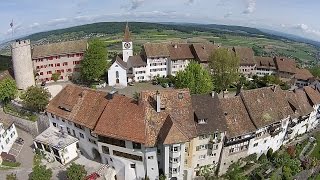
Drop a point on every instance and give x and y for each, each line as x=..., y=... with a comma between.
x=245, y=54
x=262, y=107
x=176, y=105
x=303, y=74
x=79, y=105
x=312, y=94
x=123, y=118
x=202, y=51
x=180, y=51
x=285, y=65
x=237, y=118
x=265, y=62
x=155, y=50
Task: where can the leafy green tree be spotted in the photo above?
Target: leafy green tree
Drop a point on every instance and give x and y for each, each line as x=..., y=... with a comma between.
x=235, y=172
x=162, y=177
x=11, y=176
x=55, y=76
x=76, y=172
x=225, y=67
x=207, y=171
x=40, y=172
x=94, y=64
x=269, y=154
x=8, y=90
x=194, y=77
x=36, y=98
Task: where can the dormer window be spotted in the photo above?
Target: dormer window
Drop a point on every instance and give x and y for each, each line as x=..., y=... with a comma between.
x=202, y=121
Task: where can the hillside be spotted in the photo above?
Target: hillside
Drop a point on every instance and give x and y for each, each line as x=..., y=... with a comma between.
x=263, y=43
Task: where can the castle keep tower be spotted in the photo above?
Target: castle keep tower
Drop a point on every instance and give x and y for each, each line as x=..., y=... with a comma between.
x=127, y=48
x=22, y=64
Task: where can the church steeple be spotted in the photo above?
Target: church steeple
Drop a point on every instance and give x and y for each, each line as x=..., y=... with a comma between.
x=127, y=49
x=127, y=34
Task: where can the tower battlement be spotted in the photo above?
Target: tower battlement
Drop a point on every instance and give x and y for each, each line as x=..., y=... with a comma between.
x=20, y=43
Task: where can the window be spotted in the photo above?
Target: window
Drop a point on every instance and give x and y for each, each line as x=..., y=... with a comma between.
x=136, y=145
x=202, y=147
x=7, y=140
x=265, y=141
x=202, y=156
x=57, y=65
x=117, y=74
x=69, y=70
x=49, y=72
x=81, y=135
x=41, y=73
x=105, y=150
x=150, y=157
x=12, y=134
x=175, y=149
x=92, y=141
x=133, y=166
x=256, y=144
x=65, y=64
x=54, y=124
x=68, y=130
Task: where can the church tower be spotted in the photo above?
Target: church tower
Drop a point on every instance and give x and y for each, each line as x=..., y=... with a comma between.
x=127, y=49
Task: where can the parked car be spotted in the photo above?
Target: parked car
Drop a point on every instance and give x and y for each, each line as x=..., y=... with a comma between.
x=19, y=140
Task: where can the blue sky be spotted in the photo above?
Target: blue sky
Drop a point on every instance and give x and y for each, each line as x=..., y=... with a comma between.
x=298, y=17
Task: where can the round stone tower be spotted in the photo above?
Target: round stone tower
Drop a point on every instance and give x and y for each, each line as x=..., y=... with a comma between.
x=22, y=64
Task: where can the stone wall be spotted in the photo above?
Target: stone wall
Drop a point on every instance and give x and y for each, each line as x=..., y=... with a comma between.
x=26, y=125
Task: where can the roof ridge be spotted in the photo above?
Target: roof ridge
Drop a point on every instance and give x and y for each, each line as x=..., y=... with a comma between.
x=177, y=125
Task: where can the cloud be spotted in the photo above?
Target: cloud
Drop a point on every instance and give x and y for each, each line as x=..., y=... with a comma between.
x=306, y=29
x=250, y=7
x=58, y=21
x=227, y=15
x=136, y=4
x=189, y=2
x=34, y=25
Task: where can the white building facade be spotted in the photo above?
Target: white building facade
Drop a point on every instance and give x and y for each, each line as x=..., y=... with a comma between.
x=8, y=135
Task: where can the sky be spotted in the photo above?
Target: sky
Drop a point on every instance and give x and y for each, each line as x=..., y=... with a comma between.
x=299, y=17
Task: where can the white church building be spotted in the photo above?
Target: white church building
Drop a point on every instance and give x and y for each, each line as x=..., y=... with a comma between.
x=156, y=59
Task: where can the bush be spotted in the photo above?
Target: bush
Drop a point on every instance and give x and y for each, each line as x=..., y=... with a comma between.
x=11, y=176
x=263, y=158
x=269, y=154
x=11, y=164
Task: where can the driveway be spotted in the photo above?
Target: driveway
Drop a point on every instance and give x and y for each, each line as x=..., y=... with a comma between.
x=16, y=149
x=25, y=157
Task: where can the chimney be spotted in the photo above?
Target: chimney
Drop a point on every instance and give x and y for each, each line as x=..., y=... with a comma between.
x=175, y=46
x=158, y=101
x=111, y=94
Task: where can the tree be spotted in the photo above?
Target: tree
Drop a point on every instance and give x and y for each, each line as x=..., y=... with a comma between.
x=11, y=176
x=94, y=64
x=207, y=171
x=224, y=65
x=162, y=177
x=8, y=90
x=36, y=98
x=196, y=78
x=55, y=76
x=76, y=172
x=40, y=172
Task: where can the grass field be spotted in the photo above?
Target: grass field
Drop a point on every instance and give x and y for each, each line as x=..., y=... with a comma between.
x=305, y=54
x=316, y=152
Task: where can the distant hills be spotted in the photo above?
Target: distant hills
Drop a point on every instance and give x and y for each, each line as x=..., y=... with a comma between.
x=137, y=27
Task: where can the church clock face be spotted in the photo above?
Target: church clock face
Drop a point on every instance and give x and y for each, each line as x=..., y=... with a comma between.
x=127, y=45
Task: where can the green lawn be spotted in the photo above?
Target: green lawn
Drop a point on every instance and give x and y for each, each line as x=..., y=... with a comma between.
x=316, y=152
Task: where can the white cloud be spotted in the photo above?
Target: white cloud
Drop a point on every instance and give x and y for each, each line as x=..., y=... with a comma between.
x=190, y=2
x=250, y=6
x=136, y=4
x=306, y=29
x=34, y=25
x=227, y=15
